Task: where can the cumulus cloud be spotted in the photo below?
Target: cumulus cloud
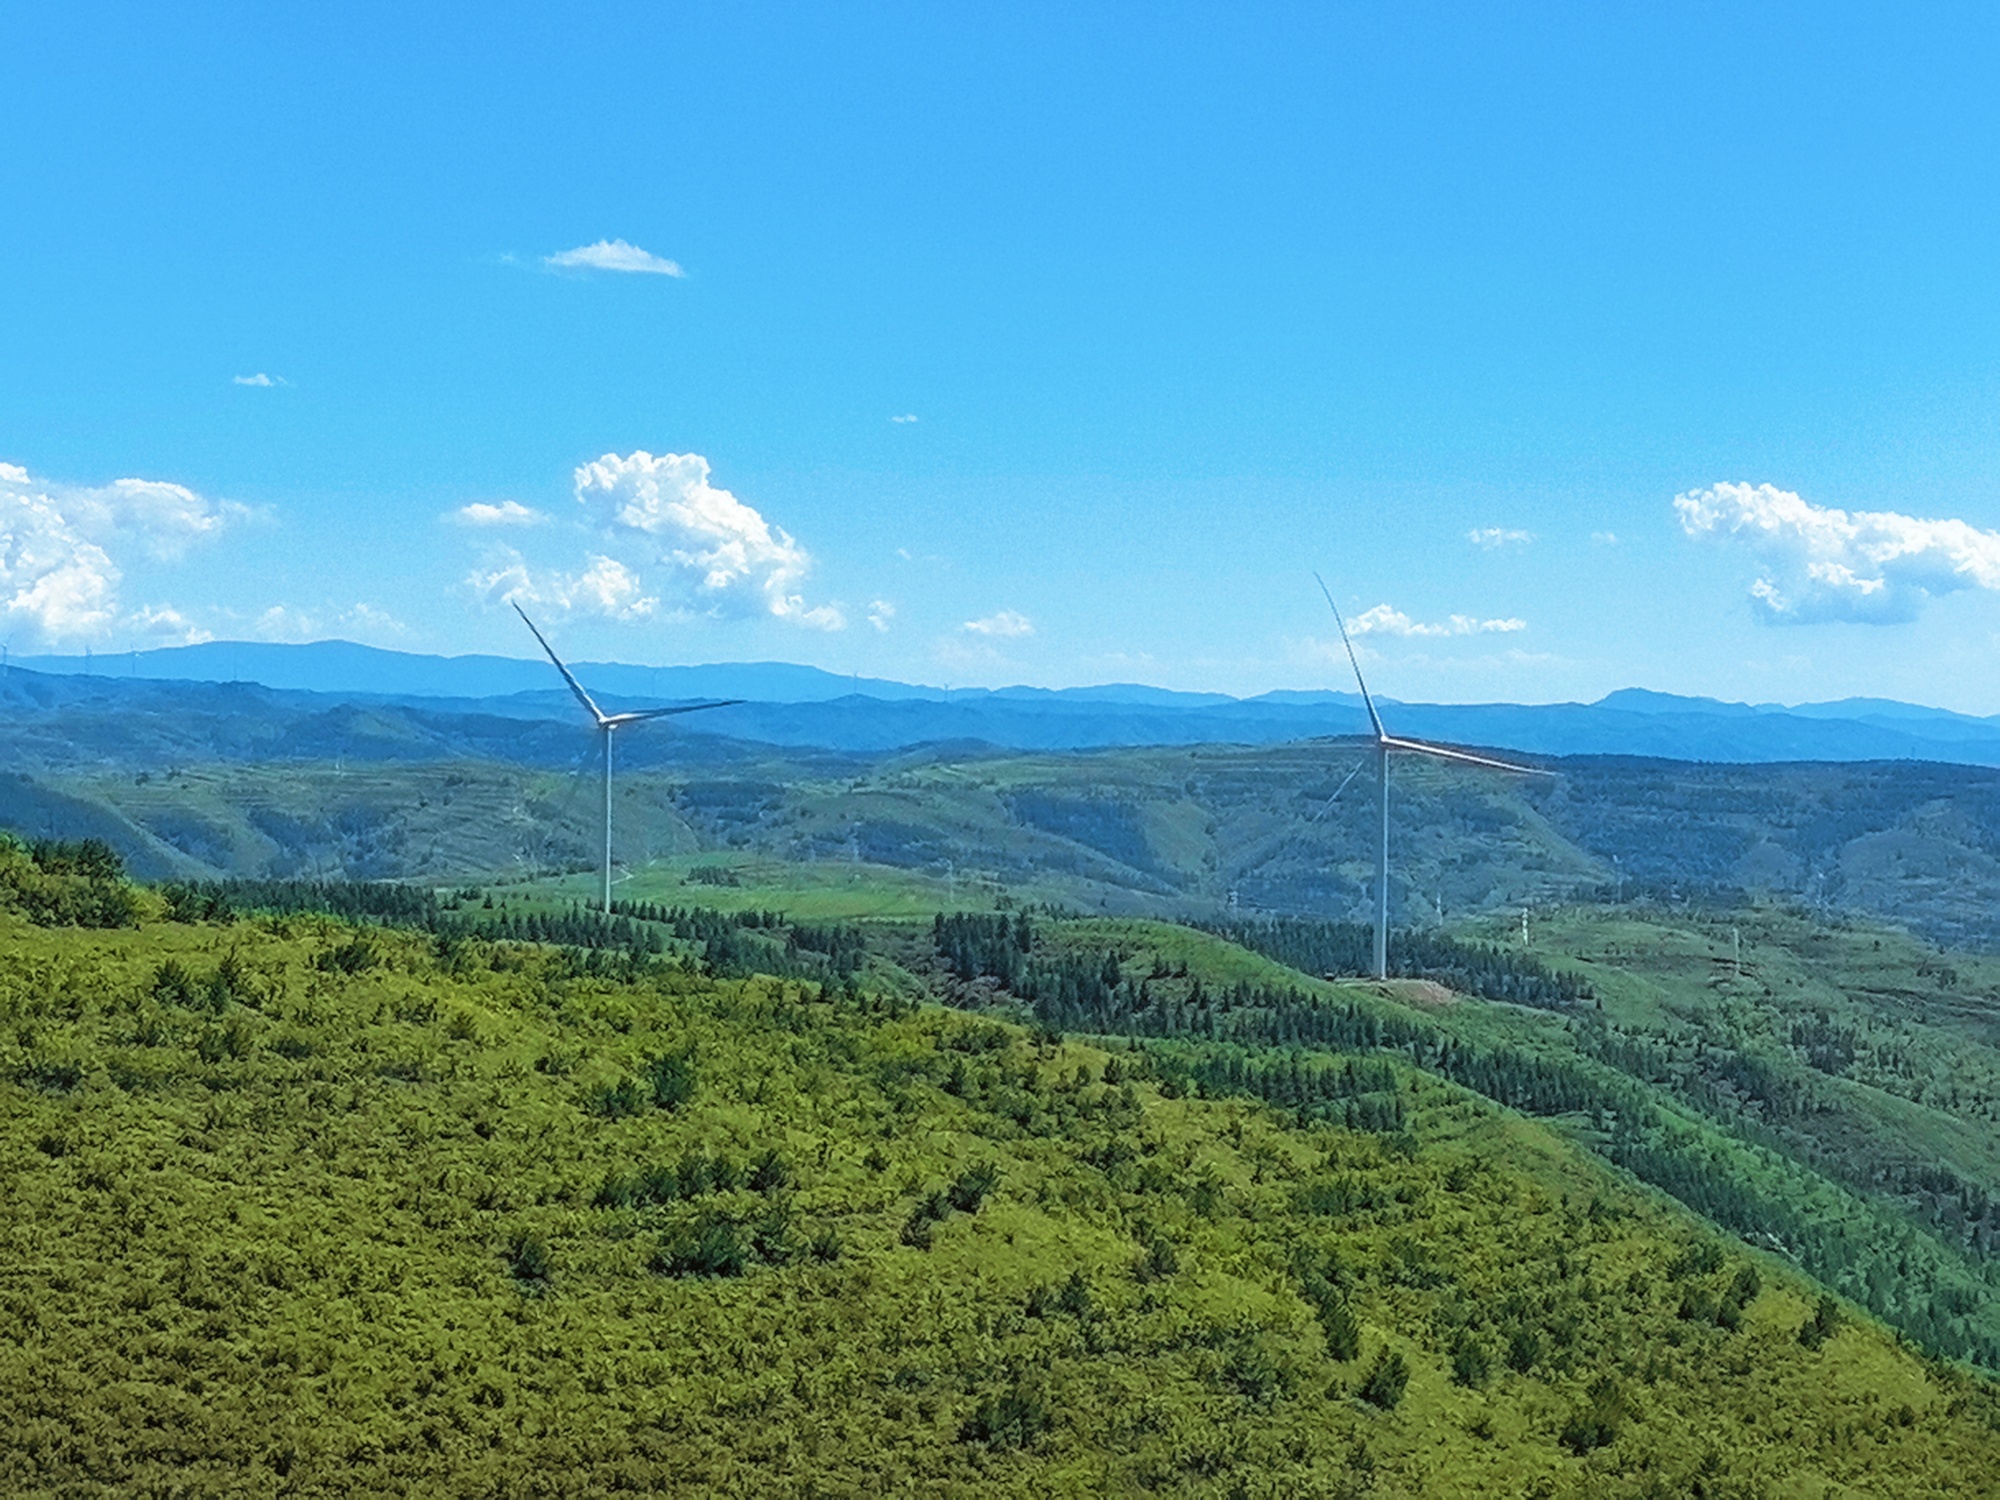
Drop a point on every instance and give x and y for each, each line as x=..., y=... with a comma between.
x=664, y=511
x=613, y=255
x=64, y=548
x=506, y=513
x=1384, y=619
x=1493, y=538
x=605, y=587
x=375, y=621
x=284, y=622
x=908, y=416
x=1819, y=563
x=1003, y=624
x=166, y=624
x=880, y=613
x=260, y=379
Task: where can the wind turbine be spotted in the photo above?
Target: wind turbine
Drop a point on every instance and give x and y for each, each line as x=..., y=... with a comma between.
x=608, y=725
x=1384, y=743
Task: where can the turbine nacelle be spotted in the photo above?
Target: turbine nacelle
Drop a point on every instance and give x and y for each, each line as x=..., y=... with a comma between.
x=606, y=724
x=598, y=716
x=1384, y=743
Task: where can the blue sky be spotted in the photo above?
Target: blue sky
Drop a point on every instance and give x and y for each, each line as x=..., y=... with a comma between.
x=1179, y=304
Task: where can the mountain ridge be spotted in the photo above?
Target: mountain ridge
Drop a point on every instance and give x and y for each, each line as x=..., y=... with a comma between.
x=799, y=707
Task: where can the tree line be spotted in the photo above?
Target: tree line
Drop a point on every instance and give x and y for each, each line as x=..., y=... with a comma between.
x=1341, y=949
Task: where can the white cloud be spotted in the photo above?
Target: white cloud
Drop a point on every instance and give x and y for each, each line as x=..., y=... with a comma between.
x=908, y=416
x=1384, y=619
x=1820, y=563
x=665, y=512
x=64, y=548
x=1493, y=538
x=1006, y=623
x=880, y=613
x=167, y=624
x=284, y=622
x=506, y=513
x=260, y=379
x=1605, y=538
x=606, y=587
x=374, y=621
x=613, y=255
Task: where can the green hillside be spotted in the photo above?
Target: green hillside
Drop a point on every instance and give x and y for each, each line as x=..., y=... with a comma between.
x=299, y=1207
x=1159, y=832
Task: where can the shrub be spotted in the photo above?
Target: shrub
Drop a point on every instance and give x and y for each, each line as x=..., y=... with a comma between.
x=770, y=1173
x=50, y=1076
x=615, y=1101
x=1254, y=1371
x=659, y=1183
x=1159, y=1262
x=1386, y=1380
x=968, y=1193
x=694, y=1174
x=172, y=984
x=1075, y=1298
x=1824, y=1323
x=670, y=1077
x=1595, y=1424
x=529, y=1263
x=1013, y=1419
x=710, y=1246
x=1470, y=1363
x=772, y=1237
x=1336, y=1319
x=922, y=1222
x=354, y=956
x=223, y=1043
x=1524, y=1350
x=229, y=984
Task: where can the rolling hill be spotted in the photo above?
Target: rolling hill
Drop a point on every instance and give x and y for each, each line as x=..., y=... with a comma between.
x=317, y=1209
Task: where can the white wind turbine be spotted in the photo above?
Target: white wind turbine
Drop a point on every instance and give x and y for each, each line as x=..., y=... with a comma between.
x=1384, y=743
x=608, y=725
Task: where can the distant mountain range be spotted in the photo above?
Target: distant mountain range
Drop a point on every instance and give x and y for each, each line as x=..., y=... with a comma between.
x=259, y=699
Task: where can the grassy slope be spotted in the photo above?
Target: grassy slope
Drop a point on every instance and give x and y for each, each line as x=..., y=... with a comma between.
x=1823, y=1163
x=265, y=1246
x=1857, y=1154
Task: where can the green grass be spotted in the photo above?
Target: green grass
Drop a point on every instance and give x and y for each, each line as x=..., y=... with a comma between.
x=817, y=892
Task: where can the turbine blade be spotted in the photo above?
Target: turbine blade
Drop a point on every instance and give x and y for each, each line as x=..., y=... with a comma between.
x=1475, y=760
x=1328, y=805
x=574, y=686
x=661, y=713
x=1352, y=660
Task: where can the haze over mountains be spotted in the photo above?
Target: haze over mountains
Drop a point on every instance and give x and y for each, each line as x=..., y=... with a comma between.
x=805, y=707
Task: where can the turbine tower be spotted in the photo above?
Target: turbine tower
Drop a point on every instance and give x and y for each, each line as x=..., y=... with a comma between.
x=1384, y=743
x=608, y=725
